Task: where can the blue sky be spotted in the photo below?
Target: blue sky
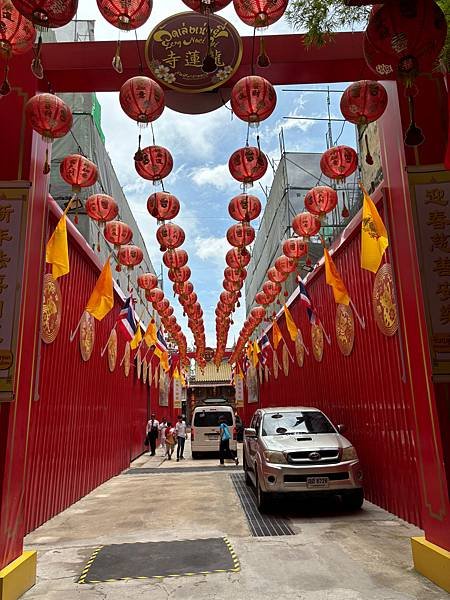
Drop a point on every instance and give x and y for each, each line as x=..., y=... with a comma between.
x=201, y=146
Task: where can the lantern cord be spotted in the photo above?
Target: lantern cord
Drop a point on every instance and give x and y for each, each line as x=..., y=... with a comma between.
x=141, y=68
x=153, y=134
x=248, y=135
x=253, y=50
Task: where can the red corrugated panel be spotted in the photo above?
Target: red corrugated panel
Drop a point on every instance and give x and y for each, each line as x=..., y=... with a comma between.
x=363, y=391
x=88, y=422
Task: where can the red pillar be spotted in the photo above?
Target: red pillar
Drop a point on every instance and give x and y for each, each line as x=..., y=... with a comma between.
x=23, y=156
x=431, y=416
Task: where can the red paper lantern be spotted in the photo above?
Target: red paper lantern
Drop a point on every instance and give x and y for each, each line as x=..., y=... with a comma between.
x=276, y=276
x=248, y=164
x=125, y=15
x=47, y=13
x=161, y=305
x=240, y=235
x=154, y=295
x=364, y=102
x=321, y=200
x=101, y=208
x=17, y=34
x=179, y=275
x=78, y=171
x=167, y=314
x=229, y=298
x=253, y=99
x=271, y=288
x=285, y=265
x=206, y=6
x=130, y=256
x=404, y=39
x=258, y=313
x=118, y=233
x=295, y=248
x=189, y=298
x=142, y=99
x=262, y=299
x=236, y=258
x=306, y=225
x=174, y=259
x=235, y=274
x=183, y=288
x=232, y=286
x=163, y=206
x=339, y=162
x=154, y=163
x=147, y=281
x=170, y=235
x=48, y=115
x=260, y=13
x=244, y=207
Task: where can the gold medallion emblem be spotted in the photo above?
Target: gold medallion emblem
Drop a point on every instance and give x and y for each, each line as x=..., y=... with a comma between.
x=51, y=309
x=112, y=350
x=285, y=360
x=266, y=373
x=156, y=377
x=317, y=341
x=138, y=364
x=275, y=364
x=87, y=335
x=299, y=349
x=345, y=329
x=127, y=359
x=383, y=301
x=144, y=371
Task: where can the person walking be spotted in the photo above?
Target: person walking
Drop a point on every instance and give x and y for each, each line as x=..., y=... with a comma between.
x=152, y=433
x=170, y=439
x=180, y=429
x=224, y=447
x=162, y=435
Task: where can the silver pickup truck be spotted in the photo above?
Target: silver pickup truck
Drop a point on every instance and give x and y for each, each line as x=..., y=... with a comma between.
x=298, y=449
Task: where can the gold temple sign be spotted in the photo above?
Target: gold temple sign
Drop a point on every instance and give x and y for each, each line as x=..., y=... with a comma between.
x=383, y=301
x=275, y=364
x=299, y=349
x=112, y=350
x=431, y=198
x=51, y=309
x=87, y=335
x=176, y=48
x=345, y=329
x=177, y=393
x=317, y=342
x=239, y=393
x=13, y=206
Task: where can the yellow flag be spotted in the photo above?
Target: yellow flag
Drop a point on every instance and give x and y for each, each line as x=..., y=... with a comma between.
x=164, y=361
x=239, y=371
x=137, y=339
x=290, y=324
x=102, y=297
x=374, y=238
x=249, y=350
x=276, y=334
x=57, y=250
x=333, y=278
x=150, y=334
x=255, y=351
x=176, y=373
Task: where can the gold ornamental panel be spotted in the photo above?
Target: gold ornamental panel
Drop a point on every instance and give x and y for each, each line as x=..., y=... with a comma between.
x=112, y=350
x=275, y=364
x=285, y=360
x=345, y=328
x=317, y=342
x=144, y=371
x=299, y=349
x=51, y=309
x=87, y=335
x=266, y=373
x=138, y=364
x=156, y=376
x=383, y=301
x=127, y=359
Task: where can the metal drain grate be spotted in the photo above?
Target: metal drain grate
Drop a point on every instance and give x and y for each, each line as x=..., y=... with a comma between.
x=161, y=470
x=260, y=525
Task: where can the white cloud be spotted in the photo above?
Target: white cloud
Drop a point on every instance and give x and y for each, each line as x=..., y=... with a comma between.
x=217, y=176
x=212, y=248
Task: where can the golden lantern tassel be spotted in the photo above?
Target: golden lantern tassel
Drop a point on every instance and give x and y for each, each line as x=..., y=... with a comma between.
x=46, y=169
x=117, y=61
x=369, y=159
x=36, y=64
x=5, y=88
x=263, y=59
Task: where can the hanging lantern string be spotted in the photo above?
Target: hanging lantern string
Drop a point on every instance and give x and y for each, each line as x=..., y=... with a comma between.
x=141, y=68
x=248, y=135
x=253, y=51
x=153, y=133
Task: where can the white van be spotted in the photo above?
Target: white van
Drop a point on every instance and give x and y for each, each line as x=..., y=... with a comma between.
x=205, y=434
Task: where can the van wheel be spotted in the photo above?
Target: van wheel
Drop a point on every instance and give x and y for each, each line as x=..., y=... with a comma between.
x=263, y=499
x=248, y=480
x=354, y=499
x=195, y=455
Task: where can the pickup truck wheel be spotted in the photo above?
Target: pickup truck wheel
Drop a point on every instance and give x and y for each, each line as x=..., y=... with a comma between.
x=248, y=480
x=353, y=500
x=262, y=498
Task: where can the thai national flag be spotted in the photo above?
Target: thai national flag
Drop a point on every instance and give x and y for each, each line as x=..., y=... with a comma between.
x=265, y=344
x=126, y=322
x=161, y=342
x=307, y=303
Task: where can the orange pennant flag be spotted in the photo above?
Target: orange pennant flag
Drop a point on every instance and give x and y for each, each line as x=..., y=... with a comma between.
x=276, y=334
x=333, y=278
x=101, y=300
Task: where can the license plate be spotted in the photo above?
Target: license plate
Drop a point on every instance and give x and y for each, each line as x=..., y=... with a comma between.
x=317, y=482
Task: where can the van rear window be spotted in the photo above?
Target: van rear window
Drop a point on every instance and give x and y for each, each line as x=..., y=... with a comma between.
x=211, y=419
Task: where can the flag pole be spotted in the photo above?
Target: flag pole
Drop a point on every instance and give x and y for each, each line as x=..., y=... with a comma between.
x=109, y=337
x=74, y=333
x=327, y=337
x=305, y=348
x=361, y=320
x=288, y=351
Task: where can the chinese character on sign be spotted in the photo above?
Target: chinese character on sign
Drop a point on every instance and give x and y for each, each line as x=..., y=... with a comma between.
x=438, y=220
x=436, y=196
x=4, y=236
x=3, y=284
x=5, y=212
x=4, y=260
x=192, y=59
x=442, y=267
x=440, y=241
x=172, y=59
x=444, y=291
x=445, y=314
x=218, y=58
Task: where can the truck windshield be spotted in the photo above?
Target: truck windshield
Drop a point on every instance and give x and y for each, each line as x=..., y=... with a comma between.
x=211, y=418
x=296, y=422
